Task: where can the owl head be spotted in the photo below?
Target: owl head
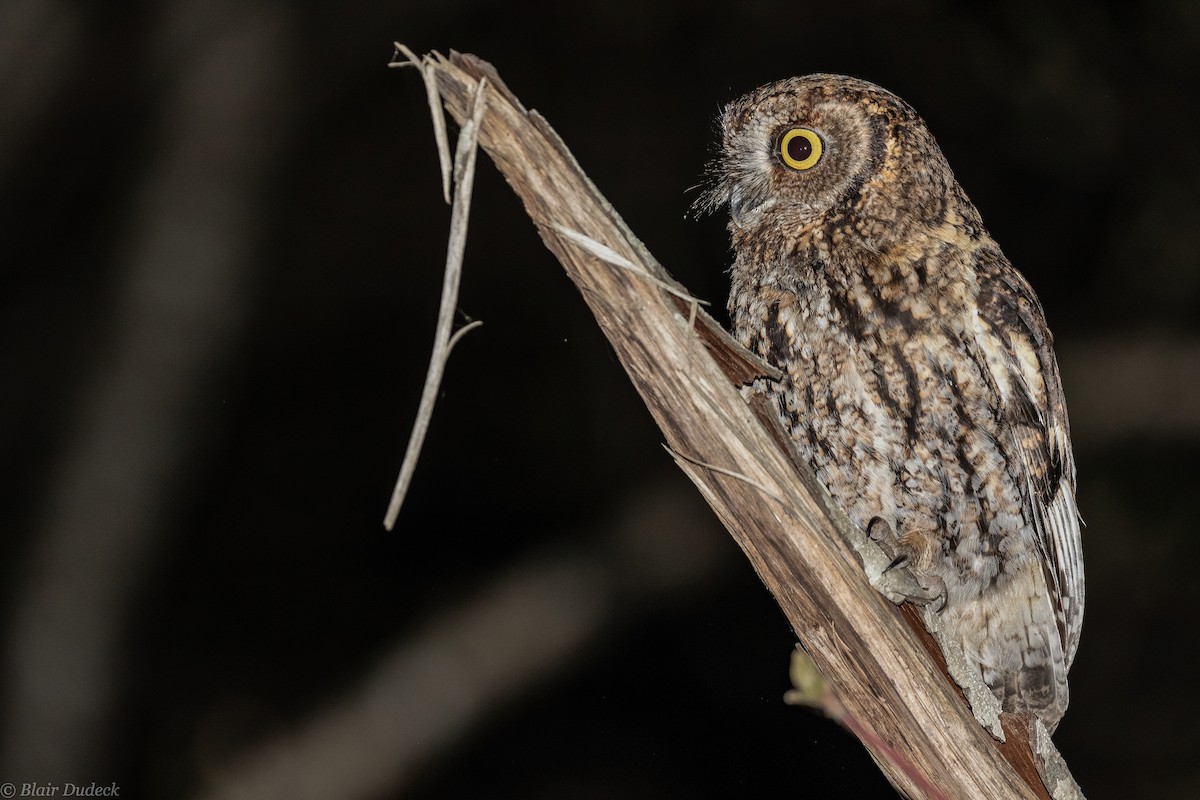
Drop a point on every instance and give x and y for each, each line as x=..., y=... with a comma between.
x=824, y=149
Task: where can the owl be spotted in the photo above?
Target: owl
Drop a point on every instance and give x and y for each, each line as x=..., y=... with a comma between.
x=920, y=382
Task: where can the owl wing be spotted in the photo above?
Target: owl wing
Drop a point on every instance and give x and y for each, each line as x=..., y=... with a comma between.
x=1019, y=351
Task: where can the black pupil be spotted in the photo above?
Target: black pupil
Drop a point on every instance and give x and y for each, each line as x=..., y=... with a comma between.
x=799, y=148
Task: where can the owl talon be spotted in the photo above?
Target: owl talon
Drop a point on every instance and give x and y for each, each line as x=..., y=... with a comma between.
x=882, y=533
x=899, y=581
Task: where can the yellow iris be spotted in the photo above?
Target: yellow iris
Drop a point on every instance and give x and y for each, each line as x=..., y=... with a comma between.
x=801, y=148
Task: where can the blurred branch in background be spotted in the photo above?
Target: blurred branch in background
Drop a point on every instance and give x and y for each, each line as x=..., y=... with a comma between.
x=37, y=42
x=506, y=640
x=177, y=311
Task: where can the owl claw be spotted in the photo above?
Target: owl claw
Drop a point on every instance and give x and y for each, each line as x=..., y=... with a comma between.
x=899, y=581
x=882, y=534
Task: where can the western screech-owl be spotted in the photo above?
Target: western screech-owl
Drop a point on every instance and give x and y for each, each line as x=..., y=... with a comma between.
x=919, y=379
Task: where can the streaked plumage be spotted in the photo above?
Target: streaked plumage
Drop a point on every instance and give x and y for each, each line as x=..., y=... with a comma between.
x=920, y=382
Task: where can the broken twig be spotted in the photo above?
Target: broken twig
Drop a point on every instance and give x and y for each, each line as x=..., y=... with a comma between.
x=464, y=181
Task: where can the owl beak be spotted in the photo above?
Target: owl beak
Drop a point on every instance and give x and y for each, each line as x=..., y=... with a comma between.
x=737, y=205
x=744, y=205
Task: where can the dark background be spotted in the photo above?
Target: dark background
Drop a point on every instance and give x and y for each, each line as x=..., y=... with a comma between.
x=222, y=238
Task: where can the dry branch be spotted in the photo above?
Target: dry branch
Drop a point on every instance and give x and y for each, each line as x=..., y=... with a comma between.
x=689, y=371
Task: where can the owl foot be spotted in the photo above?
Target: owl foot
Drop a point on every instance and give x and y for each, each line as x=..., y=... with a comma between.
x=900, y=581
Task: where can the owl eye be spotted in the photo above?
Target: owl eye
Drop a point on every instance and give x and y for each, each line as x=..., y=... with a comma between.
x=801, y=148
